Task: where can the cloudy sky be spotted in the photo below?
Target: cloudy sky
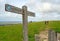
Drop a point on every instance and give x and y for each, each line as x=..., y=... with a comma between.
x=43, y=9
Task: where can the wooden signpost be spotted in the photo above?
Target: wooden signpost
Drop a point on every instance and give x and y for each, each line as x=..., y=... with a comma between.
x=52, y=35
x=25, y=13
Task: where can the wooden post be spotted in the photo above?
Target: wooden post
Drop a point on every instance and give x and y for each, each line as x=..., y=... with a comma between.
x=52, y=35
x=49, y=35
x=55, y=36
x=37, y=37
x=25, y=23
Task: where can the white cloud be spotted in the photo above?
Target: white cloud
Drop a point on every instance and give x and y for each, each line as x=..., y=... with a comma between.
x=48, y=9
x=44, y=7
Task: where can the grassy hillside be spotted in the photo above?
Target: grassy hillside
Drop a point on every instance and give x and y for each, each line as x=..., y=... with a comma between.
x=15, y=33
x=55, y=25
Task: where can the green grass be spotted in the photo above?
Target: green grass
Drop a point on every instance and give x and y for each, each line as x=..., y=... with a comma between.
x=11, y=33
x=15, y=32
x=55, y=25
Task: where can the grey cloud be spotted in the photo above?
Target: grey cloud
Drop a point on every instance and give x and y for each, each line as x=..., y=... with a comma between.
x=52, y=1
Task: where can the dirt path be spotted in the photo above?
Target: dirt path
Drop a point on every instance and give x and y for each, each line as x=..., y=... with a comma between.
x=44, y=35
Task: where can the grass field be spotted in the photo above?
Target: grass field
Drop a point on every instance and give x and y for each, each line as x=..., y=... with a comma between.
x=15, y=32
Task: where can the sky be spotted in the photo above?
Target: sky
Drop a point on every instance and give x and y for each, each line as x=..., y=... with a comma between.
x=43, y=9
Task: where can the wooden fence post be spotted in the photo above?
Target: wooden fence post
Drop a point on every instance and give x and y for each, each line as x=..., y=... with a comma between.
x=37, y=37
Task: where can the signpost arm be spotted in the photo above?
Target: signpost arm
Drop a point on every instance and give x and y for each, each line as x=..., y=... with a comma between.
x=25, y=23
x=25, y=15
